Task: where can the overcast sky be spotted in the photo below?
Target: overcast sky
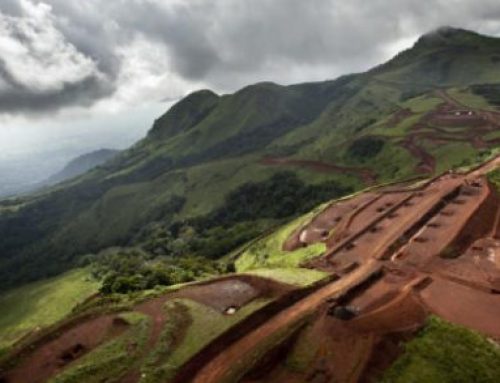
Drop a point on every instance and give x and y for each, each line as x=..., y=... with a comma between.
x=79, y=75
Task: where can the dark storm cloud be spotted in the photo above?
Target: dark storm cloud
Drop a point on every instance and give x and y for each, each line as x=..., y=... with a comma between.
x=219, y=43
x=20, y=98
x=11, y=7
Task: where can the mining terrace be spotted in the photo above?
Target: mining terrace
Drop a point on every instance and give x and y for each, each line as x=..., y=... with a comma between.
x=396, y=255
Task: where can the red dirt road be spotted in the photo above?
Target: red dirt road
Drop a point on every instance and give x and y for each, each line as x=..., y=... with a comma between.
x=217, y=369
x=67, y=344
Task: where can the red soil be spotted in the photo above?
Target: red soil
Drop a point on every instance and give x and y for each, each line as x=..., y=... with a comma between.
x=329, y=219
x=412, y=229
x=233, y=292
x=340, y=351
x=474, y=124
x=402, y=313
x=464, y=305
x=217, y=368
x=399, y=116
x=219, y=294
x=427, y=163
x=49, y=359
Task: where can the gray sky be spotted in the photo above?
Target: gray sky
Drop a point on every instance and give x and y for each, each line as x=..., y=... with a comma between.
x=79, y=75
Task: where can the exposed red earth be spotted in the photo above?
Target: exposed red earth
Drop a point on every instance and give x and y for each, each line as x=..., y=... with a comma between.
x=397, y=255
x=53, y=356
x=65, y=344
x=449, y=122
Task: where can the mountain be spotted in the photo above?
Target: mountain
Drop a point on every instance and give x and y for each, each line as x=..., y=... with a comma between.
x=217, y=170
x=81, y=165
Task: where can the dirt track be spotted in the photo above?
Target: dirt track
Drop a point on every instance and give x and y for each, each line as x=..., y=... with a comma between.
x=216, y=370
x=450, y=122
x=67, y=344
x=462, y=123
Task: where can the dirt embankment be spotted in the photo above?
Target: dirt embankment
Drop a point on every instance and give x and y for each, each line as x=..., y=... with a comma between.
x=51, y=357
x=48, y=355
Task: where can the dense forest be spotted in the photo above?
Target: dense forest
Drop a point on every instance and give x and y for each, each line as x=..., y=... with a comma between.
x=166, y=253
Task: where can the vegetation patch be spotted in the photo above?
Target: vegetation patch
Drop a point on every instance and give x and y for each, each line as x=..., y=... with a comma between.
x=42, y=303
x=452, y=155
x=446, y=353
x=281, y=196
x=304, y=351
x=156, y=368
x=366, y=147
x=267, y=252
x=494, y=178
x=291, y=275
x=251, y=359
x=491, y=92
x=164, y=254
x=111, y=360
x=124, y=270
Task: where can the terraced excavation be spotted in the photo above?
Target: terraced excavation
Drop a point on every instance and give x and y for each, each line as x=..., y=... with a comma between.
x=388, y=250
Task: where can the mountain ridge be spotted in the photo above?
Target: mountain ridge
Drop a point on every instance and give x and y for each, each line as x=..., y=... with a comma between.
x=81, y=164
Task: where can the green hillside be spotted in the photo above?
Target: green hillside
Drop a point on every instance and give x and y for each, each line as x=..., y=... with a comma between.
x=218, y=170
x=443, y=352
x=42, y=303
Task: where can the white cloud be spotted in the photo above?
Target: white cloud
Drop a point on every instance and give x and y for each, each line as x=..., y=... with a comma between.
x=147, y=74
x=36, y=55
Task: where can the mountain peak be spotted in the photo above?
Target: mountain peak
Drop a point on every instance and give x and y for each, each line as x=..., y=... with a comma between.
x=185, y=114
x=447, y=35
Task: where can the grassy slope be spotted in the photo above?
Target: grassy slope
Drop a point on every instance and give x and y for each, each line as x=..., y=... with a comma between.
x=42, y=303
x=291, y=275
x=446, y=353
x=267, y=252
